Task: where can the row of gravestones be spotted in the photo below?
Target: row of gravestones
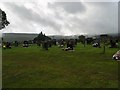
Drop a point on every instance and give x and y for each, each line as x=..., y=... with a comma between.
x=112, y=43
x=97, y=43
x=70, y=43
x=45, y=44
x=61, y=43
x=8, y=45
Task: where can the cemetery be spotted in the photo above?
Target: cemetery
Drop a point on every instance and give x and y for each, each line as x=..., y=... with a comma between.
x=47, y=63
x=43, y=61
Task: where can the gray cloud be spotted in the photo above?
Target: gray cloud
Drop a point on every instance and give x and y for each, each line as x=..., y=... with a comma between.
x=101, y=19
x=64, y=17
x=70, y=7
x=28, y=15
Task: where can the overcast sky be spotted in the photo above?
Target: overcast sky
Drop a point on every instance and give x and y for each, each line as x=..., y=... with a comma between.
x=61, y=18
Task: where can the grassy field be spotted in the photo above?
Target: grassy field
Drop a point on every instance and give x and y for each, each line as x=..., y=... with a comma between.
x=34, y=67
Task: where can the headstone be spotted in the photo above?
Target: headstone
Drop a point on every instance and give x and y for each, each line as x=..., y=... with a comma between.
x=25, y=44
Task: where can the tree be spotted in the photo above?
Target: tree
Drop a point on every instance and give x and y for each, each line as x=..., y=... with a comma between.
x=82, y=39
x=41, y=37
x=3, y=20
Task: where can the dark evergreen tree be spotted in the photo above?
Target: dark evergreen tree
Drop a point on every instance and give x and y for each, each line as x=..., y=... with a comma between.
x=3, y=20
x=40, y=38
x=82, y=39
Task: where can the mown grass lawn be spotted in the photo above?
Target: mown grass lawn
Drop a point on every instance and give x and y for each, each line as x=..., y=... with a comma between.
x=34, y=67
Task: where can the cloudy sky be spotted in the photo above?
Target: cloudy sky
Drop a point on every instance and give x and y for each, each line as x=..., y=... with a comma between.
x=61, y=18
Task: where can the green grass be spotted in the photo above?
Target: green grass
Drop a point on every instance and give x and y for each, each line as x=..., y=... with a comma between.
x=34, y=67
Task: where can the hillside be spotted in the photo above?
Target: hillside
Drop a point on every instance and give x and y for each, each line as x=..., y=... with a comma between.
x=10, y=37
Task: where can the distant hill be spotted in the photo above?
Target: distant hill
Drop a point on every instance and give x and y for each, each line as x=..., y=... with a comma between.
x=11, y=37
